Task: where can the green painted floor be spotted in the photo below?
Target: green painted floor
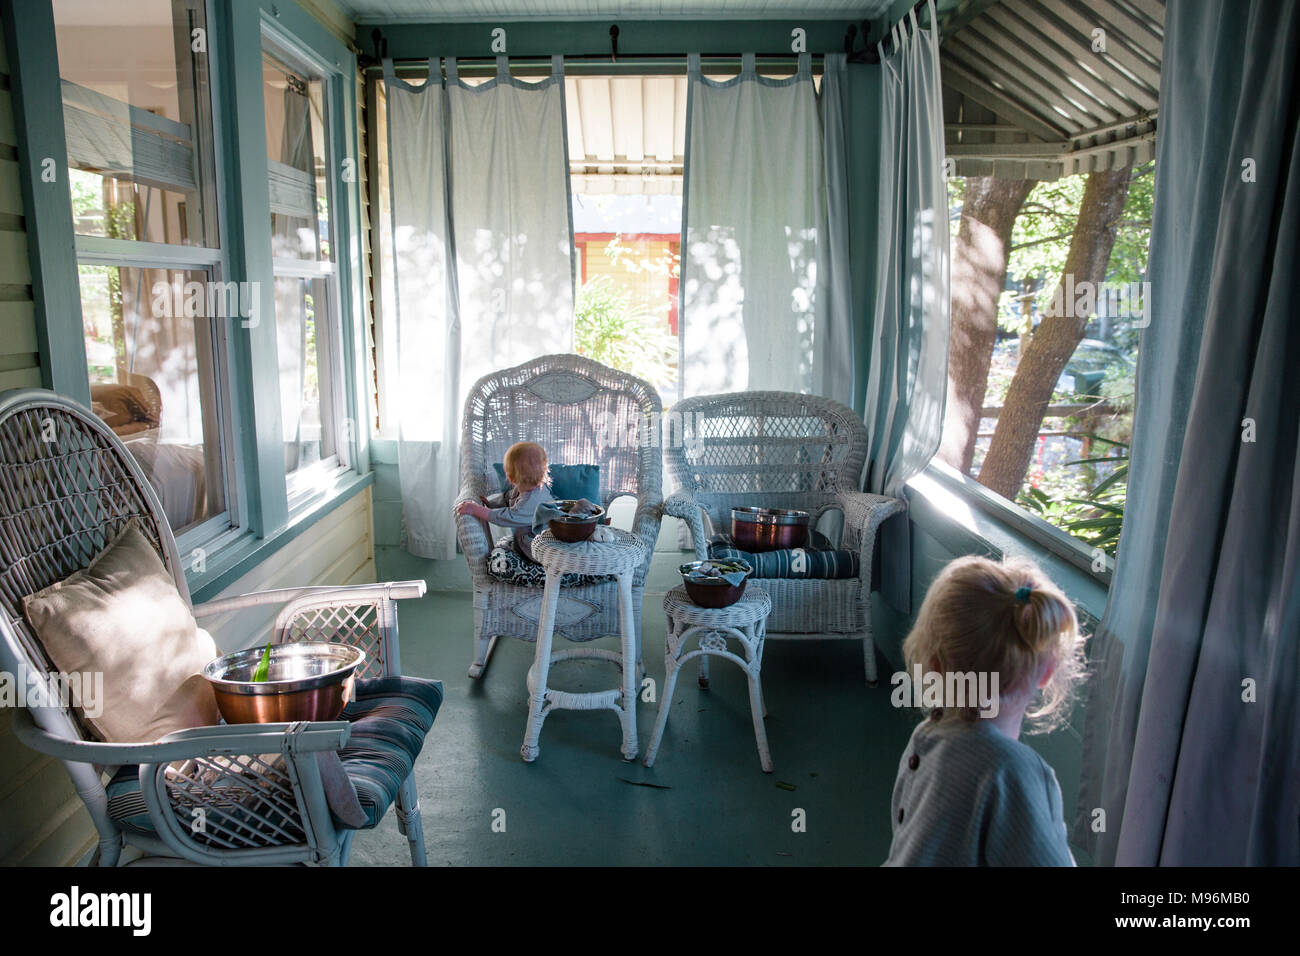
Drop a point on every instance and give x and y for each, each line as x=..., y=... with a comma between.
x=835, y=744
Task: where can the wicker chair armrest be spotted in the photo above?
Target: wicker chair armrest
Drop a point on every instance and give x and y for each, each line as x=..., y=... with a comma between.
x=864, y=513
x=348, y=594
x=470, y=532
x=220, y=740
x=682, y=504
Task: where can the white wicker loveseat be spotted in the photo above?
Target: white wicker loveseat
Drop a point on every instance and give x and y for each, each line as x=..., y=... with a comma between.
x=782, y=450
x=581, y=412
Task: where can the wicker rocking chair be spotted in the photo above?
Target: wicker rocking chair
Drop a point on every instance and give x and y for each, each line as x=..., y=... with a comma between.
x=782, y=450
x=581, y=412
x=67, y=487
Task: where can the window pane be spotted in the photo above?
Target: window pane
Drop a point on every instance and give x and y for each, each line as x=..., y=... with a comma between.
x=152, y=371
x=296, y=162
x=139, y=124
x=302, y=312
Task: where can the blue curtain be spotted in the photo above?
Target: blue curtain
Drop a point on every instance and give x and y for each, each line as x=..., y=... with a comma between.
x=1192, y=739
x=908, y=335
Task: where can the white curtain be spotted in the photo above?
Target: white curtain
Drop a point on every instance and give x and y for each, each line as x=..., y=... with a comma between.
x=765, y=291
x=908, y=337
x=482, y=240
x=908, y=372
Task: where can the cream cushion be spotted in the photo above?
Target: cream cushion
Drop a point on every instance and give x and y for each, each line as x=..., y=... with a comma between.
x=123, y=617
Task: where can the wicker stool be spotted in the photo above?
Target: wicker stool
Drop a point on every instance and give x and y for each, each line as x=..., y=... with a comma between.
x=621, y=557
x=746, y=622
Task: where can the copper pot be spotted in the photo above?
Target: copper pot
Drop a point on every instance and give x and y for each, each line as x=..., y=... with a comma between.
x=305, y=681
x=768, y=529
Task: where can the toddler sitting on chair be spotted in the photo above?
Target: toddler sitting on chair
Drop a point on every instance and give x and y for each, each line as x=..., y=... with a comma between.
x=527, y=470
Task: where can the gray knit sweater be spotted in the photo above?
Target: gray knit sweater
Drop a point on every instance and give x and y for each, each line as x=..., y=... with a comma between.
x=968, y=795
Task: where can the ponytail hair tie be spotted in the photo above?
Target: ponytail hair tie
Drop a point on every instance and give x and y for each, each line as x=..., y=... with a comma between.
x=1022, y=594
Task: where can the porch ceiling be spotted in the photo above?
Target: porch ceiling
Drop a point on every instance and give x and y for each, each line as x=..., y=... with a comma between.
x=446, y=11
x=1027, y=95
x=627, y=134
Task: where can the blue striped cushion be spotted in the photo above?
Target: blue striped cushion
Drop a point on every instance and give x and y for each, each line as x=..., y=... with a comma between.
x=390, y=718
x=791, y=563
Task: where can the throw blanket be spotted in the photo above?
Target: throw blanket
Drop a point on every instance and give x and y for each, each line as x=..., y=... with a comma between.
x=811, y=562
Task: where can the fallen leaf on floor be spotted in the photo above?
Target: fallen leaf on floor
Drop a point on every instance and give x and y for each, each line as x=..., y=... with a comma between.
x=783, y=853
x=782, y=785
x=643, y=783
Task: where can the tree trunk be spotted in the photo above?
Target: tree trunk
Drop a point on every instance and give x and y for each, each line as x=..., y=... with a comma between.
x=1057, y=336
x=979, y=271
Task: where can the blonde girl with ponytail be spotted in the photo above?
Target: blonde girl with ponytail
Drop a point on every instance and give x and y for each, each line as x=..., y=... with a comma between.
x=968, y=791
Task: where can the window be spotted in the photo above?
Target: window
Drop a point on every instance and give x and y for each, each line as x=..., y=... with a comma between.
x=142, y=182
x=1043, y=362
x=308, y=339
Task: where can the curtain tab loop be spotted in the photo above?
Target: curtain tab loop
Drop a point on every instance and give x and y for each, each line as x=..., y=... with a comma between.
x=693, y=63
x=389, y=73
x=557, y=64
x=453, y=74
x=503, y=68
x=805, y=64
x=747, y=63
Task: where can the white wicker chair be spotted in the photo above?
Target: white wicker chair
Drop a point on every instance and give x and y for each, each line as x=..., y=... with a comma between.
x=582, y=413
x=67, y=487
x=782, y=450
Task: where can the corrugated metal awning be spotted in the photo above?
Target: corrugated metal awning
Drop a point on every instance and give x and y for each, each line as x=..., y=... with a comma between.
x=627, y=134
x=1046, y=88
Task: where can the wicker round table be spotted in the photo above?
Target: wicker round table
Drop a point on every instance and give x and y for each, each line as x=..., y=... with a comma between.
x=620, y=556
x=744, y=622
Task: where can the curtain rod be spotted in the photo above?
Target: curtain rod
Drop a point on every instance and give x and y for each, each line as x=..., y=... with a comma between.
x=868, y=54
x=677, y=60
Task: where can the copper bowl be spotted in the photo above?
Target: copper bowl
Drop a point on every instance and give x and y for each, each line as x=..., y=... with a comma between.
x=713, y=594
x=768, y=529
x=570, y=529
x=305, y=681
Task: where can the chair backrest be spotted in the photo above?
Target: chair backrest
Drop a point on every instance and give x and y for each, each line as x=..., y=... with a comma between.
x=764, y=449
x=67, y=487
x=581, y=412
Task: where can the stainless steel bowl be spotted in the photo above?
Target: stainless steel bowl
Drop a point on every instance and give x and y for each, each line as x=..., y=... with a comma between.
x=769, y=529
x=305, y=681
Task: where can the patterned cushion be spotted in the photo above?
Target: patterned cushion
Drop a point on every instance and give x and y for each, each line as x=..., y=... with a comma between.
x=792, y=563
x=390, y=718
x=508, y=565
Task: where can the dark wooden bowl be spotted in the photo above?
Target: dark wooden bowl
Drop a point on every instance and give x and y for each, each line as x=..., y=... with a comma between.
x=715, y=594
x=573, y=530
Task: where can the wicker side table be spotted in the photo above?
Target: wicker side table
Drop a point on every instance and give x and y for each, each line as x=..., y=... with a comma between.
x=620, y=556
x=746, y=623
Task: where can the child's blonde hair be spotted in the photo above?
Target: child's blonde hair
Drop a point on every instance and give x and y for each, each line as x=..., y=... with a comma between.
x=526, y=464
x=984, y=616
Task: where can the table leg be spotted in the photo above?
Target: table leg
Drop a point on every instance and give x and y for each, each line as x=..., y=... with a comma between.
x=539, y=673
x=631, y=668
x=671, y=670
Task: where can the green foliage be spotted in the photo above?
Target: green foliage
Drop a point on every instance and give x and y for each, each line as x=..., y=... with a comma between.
x=610, y=330
x=1094, y=514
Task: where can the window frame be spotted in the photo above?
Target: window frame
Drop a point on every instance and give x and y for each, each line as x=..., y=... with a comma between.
x=208, y=535
x=305, y=486
x=213, y=557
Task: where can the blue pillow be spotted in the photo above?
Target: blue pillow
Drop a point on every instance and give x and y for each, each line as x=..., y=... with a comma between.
x=568, y=482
